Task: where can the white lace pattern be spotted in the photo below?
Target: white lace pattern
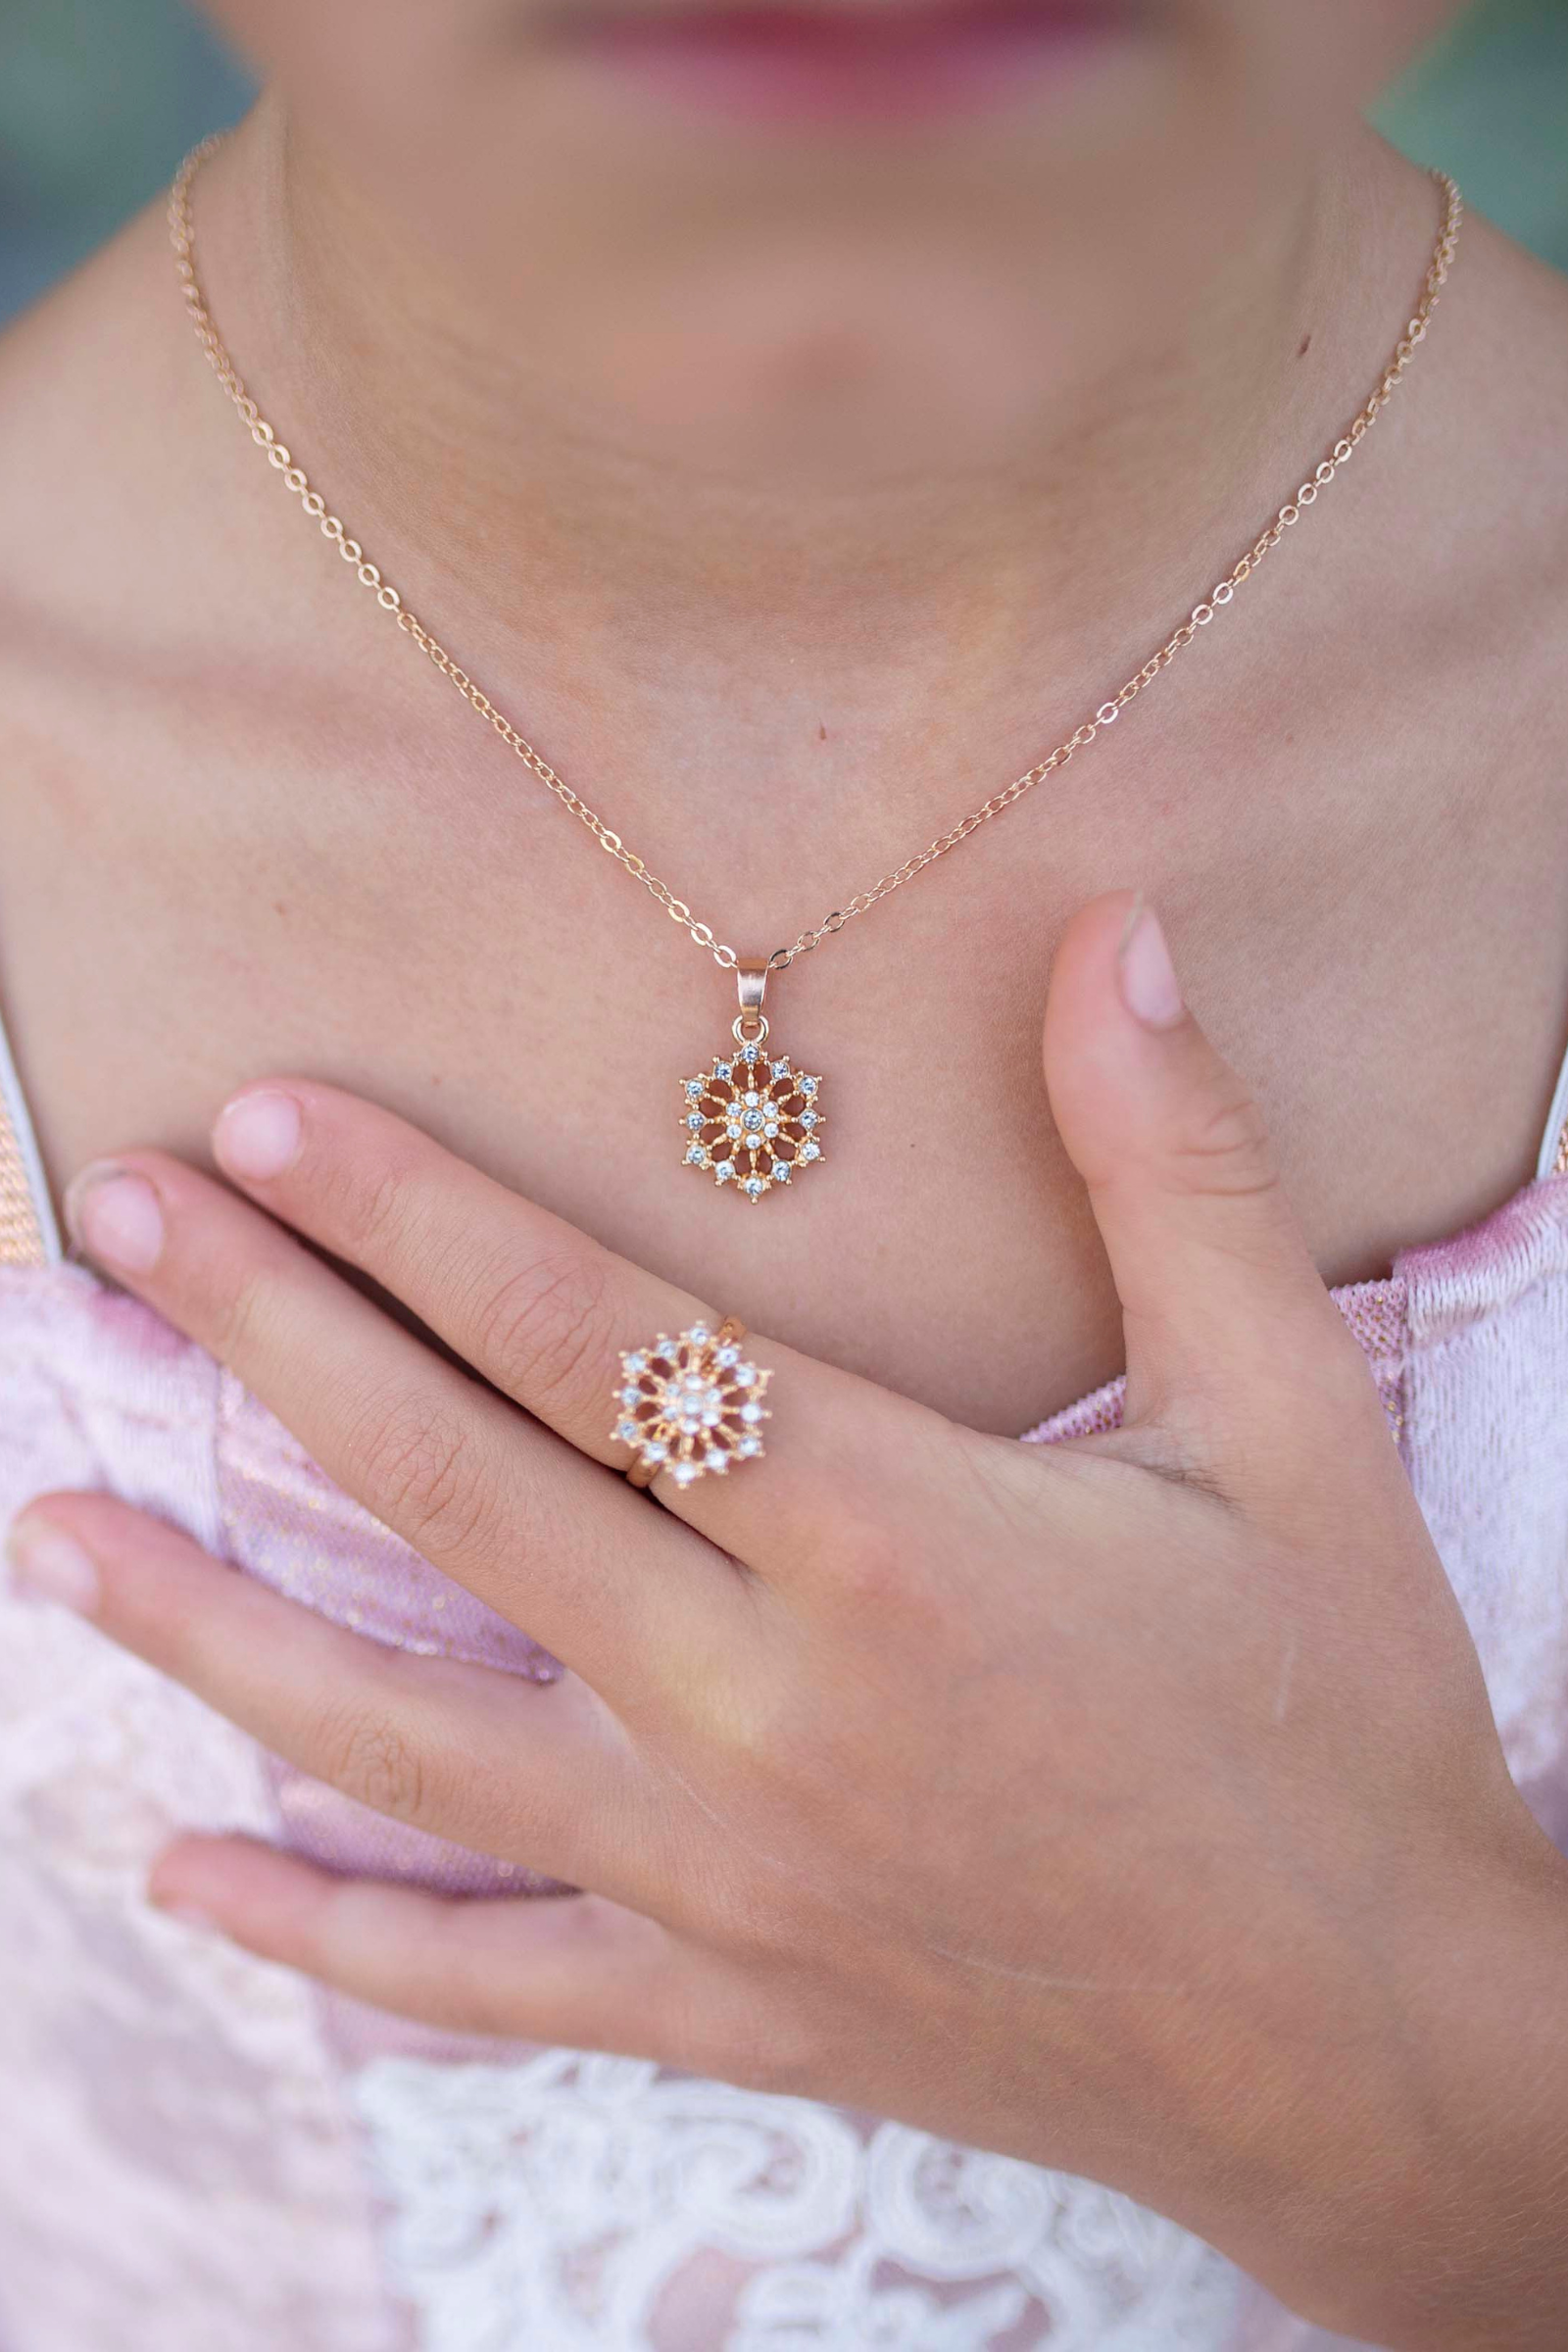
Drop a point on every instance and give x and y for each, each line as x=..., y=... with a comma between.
x=579, y=2202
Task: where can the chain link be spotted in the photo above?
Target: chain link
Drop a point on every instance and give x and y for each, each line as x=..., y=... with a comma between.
x=182, y=237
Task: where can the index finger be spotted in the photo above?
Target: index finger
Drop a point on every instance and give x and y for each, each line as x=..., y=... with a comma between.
x=547, y=1315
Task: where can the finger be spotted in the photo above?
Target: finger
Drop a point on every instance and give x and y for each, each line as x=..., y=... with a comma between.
x=1220, y=1299
x=537, y=1774
x=616, y=1590
x=578, y=1971
x=544, y=1313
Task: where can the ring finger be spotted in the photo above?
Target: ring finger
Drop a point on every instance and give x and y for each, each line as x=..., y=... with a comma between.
x=530, y=1527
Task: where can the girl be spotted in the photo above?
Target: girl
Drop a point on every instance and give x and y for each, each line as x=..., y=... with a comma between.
x=573, y=1783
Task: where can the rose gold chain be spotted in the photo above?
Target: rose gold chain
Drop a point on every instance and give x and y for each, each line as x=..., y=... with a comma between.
x=182, y=237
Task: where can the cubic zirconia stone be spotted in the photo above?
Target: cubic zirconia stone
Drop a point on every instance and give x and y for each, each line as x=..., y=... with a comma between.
x=657, y=1452
x=628, y=1433
x=696, y=1155
x=723, y=1069
x=745, y=1374
x=725, y=1170
x=715, y=1460
x=755, y=1186
x=684, y=1472
x=809, y=1150
x=694, y=1120
x=635, y=1364
x=809, y=1086
x=630, y=1396
x=751, y=1412
x=748, y=1447
x=751, y=1121
x=808, y=1118
x=748, y=1053
x=781, y=1070
x=699, y=1334
x=780, y=1171
x=693, y=1089
x=728, y=1357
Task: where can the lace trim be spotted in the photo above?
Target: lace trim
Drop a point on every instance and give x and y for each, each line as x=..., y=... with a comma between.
x=575, y=2199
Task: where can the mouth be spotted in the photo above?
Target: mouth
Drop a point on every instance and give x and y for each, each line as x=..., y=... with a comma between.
x=872, y=60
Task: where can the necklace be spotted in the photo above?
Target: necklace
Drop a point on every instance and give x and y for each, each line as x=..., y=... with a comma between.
x=753, y=1120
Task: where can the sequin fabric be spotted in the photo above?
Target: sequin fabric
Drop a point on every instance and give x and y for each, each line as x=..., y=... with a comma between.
x=201, y=2153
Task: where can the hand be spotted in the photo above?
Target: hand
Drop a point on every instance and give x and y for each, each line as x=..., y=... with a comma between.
x=1131, y=1806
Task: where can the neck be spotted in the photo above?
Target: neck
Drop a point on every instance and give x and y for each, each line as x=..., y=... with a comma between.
x=547, y=546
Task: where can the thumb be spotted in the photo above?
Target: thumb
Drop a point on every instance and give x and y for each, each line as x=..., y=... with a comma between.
x=1221, y=1303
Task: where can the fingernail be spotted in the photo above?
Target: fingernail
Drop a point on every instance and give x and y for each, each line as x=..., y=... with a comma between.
x=258, y=1134
x=117, y=1217
x=1150, y=987
x=190, y=1914
x=47, y=1564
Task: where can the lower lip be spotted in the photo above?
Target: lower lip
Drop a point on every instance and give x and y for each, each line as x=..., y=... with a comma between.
x=885, y=63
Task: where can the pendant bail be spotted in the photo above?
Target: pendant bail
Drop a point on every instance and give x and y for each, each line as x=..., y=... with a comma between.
x=751, y=986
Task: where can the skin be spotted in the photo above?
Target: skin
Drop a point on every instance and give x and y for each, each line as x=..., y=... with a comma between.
x=794, y=493
x=749, y=1770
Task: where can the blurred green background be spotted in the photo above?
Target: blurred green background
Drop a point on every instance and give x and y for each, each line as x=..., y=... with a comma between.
x=100, y=98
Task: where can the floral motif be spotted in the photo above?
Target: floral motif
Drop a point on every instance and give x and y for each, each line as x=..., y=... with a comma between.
x=692, y=1404
x=753, y=1121
x=596, y=2203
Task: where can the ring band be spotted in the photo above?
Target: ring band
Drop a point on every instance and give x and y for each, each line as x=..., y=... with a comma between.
x=690, y=1405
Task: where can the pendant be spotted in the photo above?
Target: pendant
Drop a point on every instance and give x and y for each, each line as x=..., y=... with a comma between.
x=753, y=1122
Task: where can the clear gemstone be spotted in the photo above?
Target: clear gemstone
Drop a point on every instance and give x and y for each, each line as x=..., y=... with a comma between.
x=751, y=1121
x=694, y=1120
x=696, y=1156
x=780, y=1171
x=748, y=1447
x=728, y=1357
x=781, y=1070
x=635, y=1364
x=809, y=1086
x=698, y=1334
x=753, y=1099
x=748, y=1053
x=714, y=1460
x=628, y=1433
x=770, y=1127
x=751, y=1412
x=810, y=1151
x=725, y=1170
x=657, y=1452
x=723, y=1069
x=755, y=1186
x=808, y=1118
x=631, y=1395
x=745, y=1374
x=684, y=1472
x=693, y=1089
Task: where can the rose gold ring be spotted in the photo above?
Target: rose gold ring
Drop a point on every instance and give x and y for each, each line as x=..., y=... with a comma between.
x=691, y=1404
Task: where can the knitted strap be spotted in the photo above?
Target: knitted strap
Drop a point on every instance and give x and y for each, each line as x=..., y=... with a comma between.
x=27, y=1232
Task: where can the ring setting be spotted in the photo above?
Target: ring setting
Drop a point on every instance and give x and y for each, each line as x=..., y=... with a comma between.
x=692, y=1405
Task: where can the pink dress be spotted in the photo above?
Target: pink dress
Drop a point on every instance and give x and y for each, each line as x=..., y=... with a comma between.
x=201, y=2152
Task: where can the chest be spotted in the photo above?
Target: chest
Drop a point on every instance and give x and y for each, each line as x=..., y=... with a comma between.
x=1381, y=960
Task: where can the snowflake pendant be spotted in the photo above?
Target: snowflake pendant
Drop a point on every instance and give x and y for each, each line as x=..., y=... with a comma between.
x=753, y=1122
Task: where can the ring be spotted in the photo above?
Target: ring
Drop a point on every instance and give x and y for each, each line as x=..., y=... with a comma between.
x=690, y=1405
